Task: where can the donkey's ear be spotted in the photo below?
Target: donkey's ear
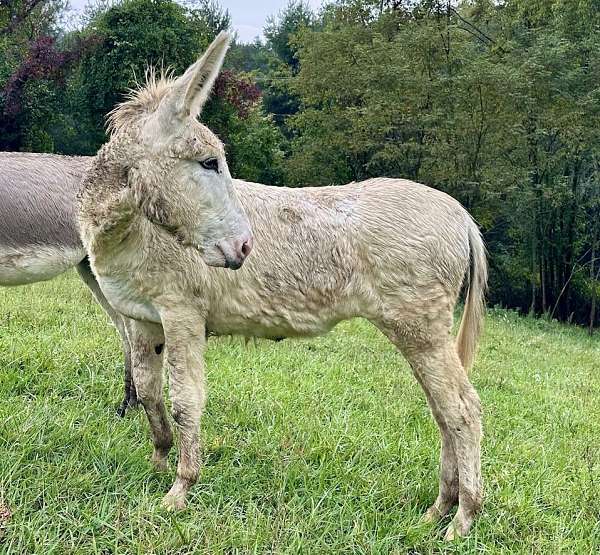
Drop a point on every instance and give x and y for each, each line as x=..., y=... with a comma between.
x=192, y=89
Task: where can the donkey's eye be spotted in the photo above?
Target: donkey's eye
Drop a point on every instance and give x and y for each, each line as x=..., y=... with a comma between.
x=211, y=164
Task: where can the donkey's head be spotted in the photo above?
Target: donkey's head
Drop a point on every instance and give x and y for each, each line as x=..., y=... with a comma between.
x=177, y=172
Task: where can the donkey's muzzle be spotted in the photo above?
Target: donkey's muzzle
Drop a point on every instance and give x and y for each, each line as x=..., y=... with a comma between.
x=236, y=251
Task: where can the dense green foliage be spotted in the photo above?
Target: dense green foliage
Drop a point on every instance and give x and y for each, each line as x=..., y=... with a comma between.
x=495, y=102
x=321, y=446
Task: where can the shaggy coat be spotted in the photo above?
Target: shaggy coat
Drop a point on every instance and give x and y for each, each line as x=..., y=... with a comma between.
x=389, y=250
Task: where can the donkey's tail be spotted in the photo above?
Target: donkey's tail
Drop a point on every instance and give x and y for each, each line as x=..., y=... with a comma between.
x=471, y=325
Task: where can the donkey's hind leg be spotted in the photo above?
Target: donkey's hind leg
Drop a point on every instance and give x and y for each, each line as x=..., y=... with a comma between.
x=448, y=489
x=456, y=408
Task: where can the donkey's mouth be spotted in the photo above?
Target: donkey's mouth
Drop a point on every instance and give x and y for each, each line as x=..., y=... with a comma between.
x=233, y=264
x=231, y=260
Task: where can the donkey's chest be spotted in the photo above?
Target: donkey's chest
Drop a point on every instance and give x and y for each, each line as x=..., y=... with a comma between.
x=128, y=299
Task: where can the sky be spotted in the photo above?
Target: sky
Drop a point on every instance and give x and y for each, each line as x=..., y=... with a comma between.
x=248, y=16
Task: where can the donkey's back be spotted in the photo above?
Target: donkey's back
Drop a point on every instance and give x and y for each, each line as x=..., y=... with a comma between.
x=39, y=236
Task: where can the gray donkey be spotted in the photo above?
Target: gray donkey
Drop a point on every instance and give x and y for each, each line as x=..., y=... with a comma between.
x=162, y=220
x=39, y=237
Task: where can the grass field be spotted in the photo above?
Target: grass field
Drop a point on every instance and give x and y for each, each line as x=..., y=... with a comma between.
x=320, y=446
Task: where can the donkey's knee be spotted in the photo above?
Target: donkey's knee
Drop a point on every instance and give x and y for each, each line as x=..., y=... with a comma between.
x=462, y=413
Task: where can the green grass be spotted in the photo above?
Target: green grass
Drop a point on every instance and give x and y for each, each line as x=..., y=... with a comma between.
x=320, y=446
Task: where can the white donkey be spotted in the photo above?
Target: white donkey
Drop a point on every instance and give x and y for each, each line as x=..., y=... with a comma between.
x=159, y=213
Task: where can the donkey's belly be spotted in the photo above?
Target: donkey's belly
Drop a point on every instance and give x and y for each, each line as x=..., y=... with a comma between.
x=265, y=330
x=271, y=322
x=36, y=263
x=126, y=300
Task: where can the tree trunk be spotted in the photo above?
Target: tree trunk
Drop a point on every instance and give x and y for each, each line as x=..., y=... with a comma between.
x=592, y=311
x=569, y=248
x=533, y=270
x=543, y=284
x=593, y=277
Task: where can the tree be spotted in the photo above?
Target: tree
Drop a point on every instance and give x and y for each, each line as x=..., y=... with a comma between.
x=131, y=36
x=281, y=31
x=31, y=64
x=136, y=34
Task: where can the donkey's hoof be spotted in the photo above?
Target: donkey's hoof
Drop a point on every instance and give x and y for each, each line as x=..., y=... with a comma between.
x=431, y=516
x=127, y=404
x=451, y=533
x=438, y=510
x=458, y=529
x=122, y=409
x=161, y=464
x=173, y=502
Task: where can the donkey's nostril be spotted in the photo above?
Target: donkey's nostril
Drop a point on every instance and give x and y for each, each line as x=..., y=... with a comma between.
x=246, y=249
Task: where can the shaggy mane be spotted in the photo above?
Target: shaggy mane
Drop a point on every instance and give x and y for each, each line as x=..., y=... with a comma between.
x=141, y=99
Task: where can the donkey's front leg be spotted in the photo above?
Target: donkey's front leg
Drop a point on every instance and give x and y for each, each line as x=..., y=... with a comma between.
x=147, y=342
x=185, y=345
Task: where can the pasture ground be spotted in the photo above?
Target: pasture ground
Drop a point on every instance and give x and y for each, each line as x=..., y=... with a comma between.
x=316, y=446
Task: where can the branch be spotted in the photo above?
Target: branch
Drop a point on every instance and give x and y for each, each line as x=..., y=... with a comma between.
x=574, y=270
x=477, y=29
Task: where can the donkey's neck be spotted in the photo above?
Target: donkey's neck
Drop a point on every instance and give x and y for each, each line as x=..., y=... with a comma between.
x=105, y=199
